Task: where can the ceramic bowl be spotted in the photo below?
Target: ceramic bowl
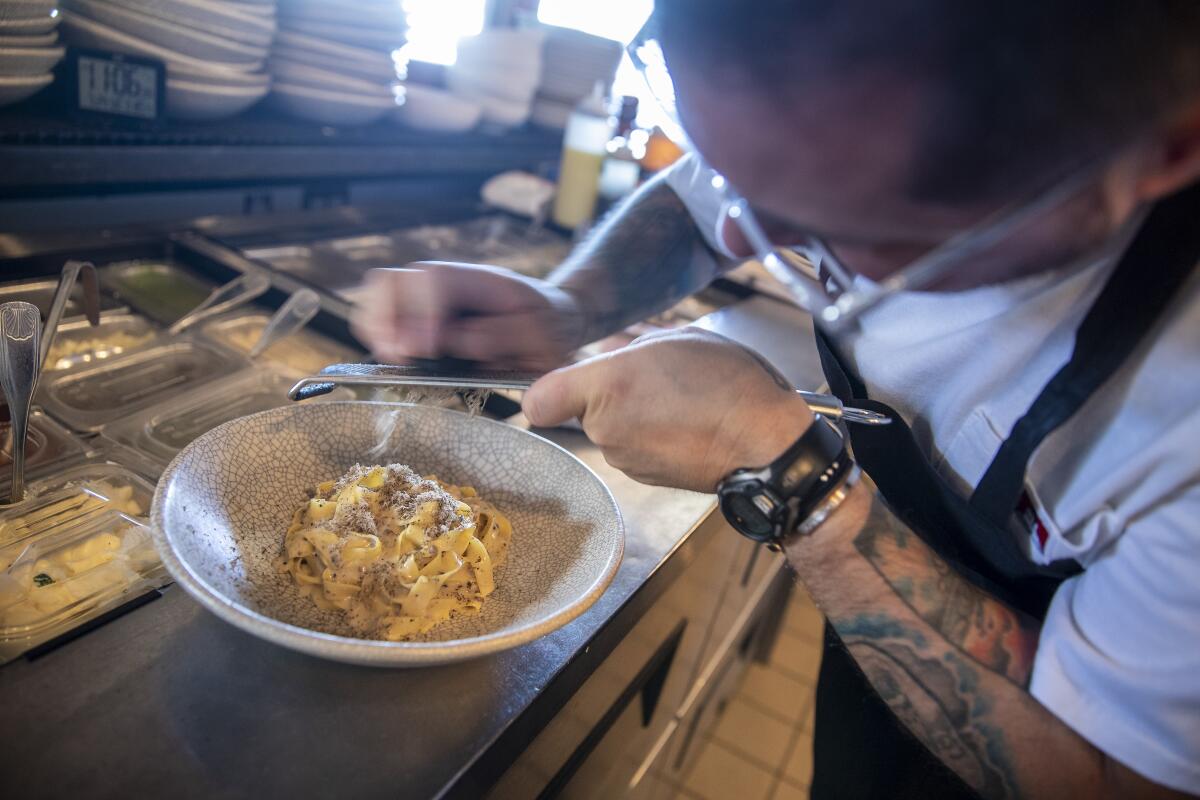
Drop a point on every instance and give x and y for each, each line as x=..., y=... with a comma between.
x=17, y=88
x=224, y=19
x=330, y=106
x=180, y=39
x=428, y=109
x=37, y=40
x=198, y=101
x=29, y=26
x=222, y=508
x=29, y=60
x=80, y=30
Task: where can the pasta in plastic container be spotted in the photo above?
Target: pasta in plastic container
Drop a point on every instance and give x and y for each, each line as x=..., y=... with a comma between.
x=72, y=573
x=74, y=496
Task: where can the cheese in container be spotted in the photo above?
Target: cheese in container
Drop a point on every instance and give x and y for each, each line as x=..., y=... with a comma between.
x=78, y=344
x=70, y=574
x=304, y=352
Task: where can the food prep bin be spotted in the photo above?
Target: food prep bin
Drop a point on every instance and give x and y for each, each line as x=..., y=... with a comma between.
x=71, y=573
x=47, y=445
x=78, y=344
x=160, y=290
x=498, y=240
x=88, y=399
x=160, y=432
x=41, y=294
x=75, y=494
x=302, y=353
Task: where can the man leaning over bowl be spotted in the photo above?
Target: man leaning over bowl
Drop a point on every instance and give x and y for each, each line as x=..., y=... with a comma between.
x=1015, y=580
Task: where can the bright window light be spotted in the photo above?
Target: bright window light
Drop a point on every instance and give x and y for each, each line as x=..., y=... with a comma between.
x=613, y=19
x=435, y=26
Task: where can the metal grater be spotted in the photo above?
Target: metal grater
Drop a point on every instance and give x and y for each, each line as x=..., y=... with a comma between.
x=458, y=374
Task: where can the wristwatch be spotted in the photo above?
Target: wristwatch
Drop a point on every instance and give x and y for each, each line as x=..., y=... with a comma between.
x=793, y=494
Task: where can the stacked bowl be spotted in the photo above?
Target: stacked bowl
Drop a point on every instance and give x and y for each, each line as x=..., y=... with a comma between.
x=498, y=70
x=333, y=61
x=572, y=63
x=28, y=47
x=214, y=50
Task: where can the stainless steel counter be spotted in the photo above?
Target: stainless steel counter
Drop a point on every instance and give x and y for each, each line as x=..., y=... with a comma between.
x=169, y=700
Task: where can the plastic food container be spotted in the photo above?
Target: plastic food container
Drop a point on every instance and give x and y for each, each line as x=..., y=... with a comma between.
x=47, y=444
x=316, y=264
x=496, y=240
x=89, y=398
x=78, y=344
x=302, y=353
x=70, y=574
x=74, y=495
x=159, y=290
x=162, y=431
x=41, y=294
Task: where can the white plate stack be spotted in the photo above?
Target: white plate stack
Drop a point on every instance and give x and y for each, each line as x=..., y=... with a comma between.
x=572, y=63
x=333, y=62
x=214, y=50
x=28, y=47
x=499, y=71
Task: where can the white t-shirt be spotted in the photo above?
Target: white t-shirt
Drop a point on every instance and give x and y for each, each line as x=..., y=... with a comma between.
x=1117, y=487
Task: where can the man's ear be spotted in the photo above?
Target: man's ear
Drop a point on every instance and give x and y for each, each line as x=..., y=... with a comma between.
x=1178, y=158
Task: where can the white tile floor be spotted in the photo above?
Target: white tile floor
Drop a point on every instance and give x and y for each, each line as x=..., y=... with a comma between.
x=761, y=748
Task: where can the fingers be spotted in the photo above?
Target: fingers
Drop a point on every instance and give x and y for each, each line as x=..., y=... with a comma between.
x=560, y=395
x=434, y=309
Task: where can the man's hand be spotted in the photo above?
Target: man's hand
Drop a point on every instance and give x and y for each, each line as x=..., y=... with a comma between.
x=680, y=409
x=485, y=314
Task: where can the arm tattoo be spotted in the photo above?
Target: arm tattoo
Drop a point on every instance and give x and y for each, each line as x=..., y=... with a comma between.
x=997, y=637
x=937, y=698
x=646, y=256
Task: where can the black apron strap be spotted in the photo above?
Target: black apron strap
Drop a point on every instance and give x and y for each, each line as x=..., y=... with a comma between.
x=1160, y=258
x=987, y=555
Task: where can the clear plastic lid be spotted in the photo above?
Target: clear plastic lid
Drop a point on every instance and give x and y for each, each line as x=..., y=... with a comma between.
x=76, y=494
x=70, y=574
x=160, y=290
x=78, y=344
x=89, y=398
x=162, y=431
x=46, y=444
x=302, y=353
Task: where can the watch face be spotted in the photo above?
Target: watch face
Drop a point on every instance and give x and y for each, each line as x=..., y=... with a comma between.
x=745, y=515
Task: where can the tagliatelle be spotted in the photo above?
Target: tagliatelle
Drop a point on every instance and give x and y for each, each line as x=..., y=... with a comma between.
x=397, y=552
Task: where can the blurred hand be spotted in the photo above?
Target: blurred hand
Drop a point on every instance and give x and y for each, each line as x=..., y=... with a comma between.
x=683, y=408
x=485, y=314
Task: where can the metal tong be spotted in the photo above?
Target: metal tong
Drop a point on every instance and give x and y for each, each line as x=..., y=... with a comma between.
x=465, y=375
x=239, y=291
x=71, y=272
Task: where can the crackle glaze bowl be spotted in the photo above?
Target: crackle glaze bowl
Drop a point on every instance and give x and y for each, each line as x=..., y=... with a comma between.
x=224, y=504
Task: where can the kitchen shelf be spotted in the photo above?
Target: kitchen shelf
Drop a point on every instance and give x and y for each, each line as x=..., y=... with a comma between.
x=49, y=155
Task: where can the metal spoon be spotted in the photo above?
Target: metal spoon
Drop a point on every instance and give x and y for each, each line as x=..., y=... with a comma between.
x=293, y=315
x=237, y=292
x=66, y=284
x=20, y=331
x=460, y=374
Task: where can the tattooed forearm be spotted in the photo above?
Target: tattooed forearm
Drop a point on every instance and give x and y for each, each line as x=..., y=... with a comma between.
x=647, y=255
x=937, y=698
x=999, y=638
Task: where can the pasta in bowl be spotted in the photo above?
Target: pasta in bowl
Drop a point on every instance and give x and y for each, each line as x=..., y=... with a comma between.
x=246, y=520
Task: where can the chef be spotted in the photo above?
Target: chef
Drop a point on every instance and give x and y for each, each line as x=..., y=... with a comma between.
x=1003, y=203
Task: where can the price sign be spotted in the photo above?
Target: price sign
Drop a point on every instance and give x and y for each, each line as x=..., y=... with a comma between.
x=116, y=84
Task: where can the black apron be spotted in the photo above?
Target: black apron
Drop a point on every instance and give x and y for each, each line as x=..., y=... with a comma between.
x=860, y=750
